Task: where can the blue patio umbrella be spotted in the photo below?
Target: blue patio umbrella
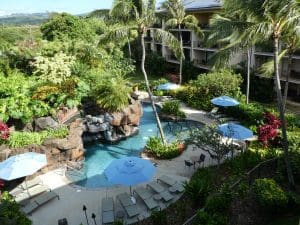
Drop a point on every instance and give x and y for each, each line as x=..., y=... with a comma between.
x=224, y=101
x=168, y=86
x=22, y=165
x=235, y=131
x=129, y=171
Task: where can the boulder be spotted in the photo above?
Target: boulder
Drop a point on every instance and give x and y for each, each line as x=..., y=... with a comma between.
x=130, y=115
x=44, y=123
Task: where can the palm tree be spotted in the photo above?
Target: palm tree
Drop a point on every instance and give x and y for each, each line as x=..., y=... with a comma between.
x=265, y=20
x=292, y=40
x=123, y=10
x=227, y=28
x=276, y=19
x=144, y=19
x=180, y=19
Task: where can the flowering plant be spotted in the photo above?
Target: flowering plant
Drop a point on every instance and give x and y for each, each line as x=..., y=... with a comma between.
x=4, y=131
x=269, y=130
x=174, y=78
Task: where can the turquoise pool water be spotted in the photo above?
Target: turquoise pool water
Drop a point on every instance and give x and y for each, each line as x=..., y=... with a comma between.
x=99, y=156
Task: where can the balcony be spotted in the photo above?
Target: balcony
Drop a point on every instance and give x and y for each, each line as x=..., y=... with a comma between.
x=171, y=58
x=201, y=63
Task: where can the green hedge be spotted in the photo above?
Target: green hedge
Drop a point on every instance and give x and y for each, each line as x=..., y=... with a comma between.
x=198, y=93
x=270, y=195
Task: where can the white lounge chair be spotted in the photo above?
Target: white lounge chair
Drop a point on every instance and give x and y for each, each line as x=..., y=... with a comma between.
x=159, y=189
x=29, y=193
x=147, y=197
x=107, y=210
x=38, y=201
x=176, y=185
x=130, y=208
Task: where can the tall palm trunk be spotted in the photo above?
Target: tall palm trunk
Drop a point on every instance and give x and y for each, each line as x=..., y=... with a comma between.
x=148, y=89
x=180, y=63
x=249, y=52
x=287, y=78
x=281, y=112
x=129, y=47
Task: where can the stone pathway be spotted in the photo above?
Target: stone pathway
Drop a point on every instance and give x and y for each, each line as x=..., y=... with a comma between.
x=72, y=197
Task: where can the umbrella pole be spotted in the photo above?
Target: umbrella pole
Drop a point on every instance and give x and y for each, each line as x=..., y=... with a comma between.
x=130, y=190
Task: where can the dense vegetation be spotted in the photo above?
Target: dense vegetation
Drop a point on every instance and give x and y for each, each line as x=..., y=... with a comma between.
x=65, y=63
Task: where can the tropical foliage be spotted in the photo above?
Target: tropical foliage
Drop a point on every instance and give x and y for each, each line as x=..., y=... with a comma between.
x=10, y=211
x=199, y=92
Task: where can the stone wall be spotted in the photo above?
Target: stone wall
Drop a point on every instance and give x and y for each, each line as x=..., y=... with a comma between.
x=59, y=151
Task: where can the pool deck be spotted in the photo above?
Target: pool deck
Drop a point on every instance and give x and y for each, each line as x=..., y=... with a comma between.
x=72, y=198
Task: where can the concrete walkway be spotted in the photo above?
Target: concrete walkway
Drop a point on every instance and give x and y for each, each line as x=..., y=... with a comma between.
x=72, y=198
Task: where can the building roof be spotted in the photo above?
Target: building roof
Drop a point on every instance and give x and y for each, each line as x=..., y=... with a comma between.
x=195, y=5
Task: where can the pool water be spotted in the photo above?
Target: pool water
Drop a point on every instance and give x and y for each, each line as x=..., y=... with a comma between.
x=98, y=155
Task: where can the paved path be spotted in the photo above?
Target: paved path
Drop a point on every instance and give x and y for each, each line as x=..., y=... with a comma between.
x=72, y=198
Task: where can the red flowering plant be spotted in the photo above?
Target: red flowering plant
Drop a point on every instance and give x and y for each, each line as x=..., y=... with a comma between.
x=269, y=130
x=174, y=78
x=4, y=131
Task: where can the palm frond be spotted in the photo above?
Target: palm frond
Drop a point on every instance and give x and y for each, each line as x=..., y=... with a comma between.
x=268, y=68
x=195, y=28
x=116, y=33
x=171, y=23
x=170, y=40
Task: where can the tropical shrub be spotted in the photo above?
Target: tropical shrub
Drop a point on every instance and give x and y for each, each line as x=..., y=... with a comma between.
x=16, y=101
x=21, y=138
x=294, y=139
x=270, y=195
x=155, y=65
x=208, y=86
x=244, y=161
x=64, y=25
x=200, y=186
x=56, y=69
x=295, y=164
x=172, y=108
x=10, y=212
x=249, y=114
x=189, y=71
x=210, y=140
x=269, y=130
x=159, y=217
x=112, y=93
x=68, y=93
x=205, y=218
x=155, y=147
x=219, y=202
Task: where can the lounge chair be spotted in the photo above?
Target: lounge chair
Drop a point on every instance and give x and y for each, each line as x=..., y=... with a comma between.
x=176, y=185
x=31, y=192
x=38, y=201
x=130, y=208
x=147, y=197
x=159, y=189
x=31, y=183
x=108, y=210
x=25, y=185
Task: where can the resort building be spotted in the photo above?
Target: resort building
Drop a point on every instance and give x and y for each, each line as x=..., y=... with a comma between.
x=199, y=53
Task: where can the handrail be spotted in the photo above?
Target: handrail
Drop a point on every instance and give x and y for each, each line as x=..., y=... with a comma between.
x=237, y=182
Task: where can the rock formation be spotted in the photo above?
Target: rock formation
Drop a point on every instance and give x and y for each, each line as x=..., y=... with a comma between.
x=59, y=151
x=115, y=126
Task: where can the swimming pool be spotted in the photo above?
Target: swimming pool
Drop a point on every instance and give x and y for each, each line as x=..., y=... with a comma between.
x=98, y=155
